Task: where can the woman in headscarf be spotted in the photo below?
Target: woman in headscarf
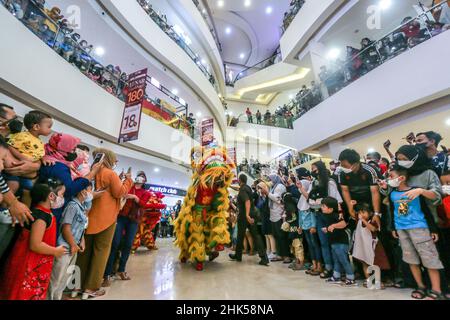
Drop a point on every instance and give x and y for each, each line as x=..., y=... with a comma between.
x=277, y=216
x=102, y=224
x=60, y=156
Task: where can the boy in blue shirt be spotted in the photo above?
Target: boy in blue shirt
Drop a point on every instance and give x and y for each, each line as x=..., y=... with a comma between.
x=414, y=226
x=74, y=222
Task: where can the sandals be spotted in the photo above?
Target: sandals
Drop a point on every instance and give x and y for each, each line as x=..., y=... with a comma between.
x=325, y=274
x=419, y=294
x=94, y=294
x=123, y=276
x=314, y=273
x=434, y=295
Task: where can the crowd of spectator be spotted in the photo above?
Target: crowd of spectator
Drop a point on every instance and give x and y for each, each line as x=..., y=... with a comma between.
x=337, y=223
x=289, y=16
x=161, y=20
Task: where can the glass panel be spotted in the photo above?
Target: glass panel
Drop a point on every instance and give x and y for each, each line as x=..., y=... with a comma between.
x=51, y=28
x=289, y=16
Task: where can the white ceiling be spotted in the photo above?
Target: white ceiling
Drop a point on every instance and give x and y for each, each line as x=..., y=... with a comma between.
x=253, y=32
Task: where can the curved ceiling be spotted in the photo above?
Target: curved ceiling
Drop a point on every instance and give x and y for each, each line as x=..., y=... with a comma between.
x=252, y=31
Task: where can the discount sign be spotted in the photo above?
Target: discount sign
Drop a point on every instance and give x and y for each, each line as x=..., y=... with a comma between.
x=131, y=119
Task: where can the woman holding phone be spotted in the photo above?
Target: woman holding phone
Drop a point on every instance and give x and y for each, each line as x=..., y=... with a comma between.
x=102, y=223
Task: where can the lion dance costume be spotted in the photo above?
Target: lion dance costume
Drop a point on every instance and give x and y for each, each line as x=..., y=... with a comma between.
x=201, y=227
x=150, y=218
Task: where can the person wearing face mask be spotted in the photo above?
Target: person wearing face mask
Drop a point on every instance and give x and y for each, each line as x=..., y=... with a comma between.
x=429, y=142
x=358, y=183
x=126, y=228
x=60, y=156
x=74, y=222
x=102, y=224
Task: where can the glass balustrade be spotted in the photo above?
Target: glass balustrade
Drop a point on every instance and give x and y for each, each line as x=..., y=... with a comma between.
x=209, y=22
x=55, y=31
x=289, y=16
x=163, y=24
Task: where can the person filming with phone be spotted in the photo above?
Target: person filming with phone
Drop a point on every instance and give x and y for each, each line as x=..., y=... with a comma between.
x=102, y=223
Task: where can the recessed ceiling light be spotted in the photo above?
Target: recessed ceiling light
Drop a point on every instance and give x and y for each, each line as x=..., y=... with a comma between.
x=242, y=56
x=175, y=91
x=333, y=54
x=247, y=3
x=269, y=10
x=370, y=150
x=385, y=4
x=228, y=30
x=176, y=183
x=99, y=51
x=220, y=3
x=156, y=170
x=203, y=61
x=447, y=122
x=199, y=114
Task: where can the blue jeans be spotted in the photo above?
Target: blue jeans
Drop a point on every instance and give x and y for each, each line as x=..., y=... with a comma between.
x=324, y=244
x=313, y=245
x=342, y=261
x=124, y=224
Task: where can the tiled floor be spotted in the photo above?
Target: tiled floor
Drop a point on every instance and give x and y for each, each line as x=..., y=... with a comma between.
x=159, y=275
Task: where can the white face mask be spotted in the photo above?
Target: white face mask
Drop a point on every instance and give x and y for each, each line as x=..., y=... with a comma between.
x=446, y=189
x=407, y=164
x=57, y=203
x=394, y=183
x=89, y=197
x=345, y=170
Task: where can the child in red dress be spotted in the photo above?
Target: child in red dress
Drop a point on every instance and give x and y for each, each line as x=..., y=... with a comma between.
x=27, y=272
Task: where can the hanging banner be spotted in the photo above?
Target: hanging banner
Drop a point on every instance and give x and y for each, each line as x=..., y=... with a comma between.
x=207, y=132
x=166, y=190
x=232, y=155
x=131, y=119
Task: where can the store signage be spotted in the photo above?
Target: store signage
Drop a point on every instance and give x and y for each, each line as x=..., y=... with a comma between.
x=131, y=119
x=167, y=190
x=207, y=132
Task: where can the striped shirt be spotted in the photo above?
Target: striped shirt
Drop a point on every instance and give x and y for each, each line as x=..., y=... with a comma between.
x=3, y=186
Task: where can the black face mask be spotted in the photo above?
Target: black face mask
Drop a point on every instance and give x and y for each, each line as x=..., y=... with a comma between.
x=15, y=126
x=314, y=174
x=71, y=156
x=422, y=146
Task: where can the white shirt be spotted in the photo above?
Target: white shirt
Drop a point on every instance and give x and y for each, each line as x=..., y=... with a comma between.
x=445, y=14
x=303, y=202
x=276, y=208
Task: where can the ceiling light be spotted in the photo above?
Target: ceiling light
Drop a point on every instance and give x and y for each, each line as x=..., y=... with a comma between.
x=247, y=3
x=228, y=30
x=203, y=61
x=447, y=122
x=385, y=4
x=291, y=96
x=99, y=51
x=156, y=170
x=155, y=82
x=333, y=54
x=199, y=114
x=269, y=10
x=175, y=91
x=242, y=56
x=371, y=150
x=220, y=3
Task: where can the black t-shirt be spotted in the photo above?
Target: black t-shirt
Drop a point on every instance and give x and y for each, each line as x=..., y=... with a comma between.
x=245, y=193
x=40, y=215
x=338, y=235
x=359, y=183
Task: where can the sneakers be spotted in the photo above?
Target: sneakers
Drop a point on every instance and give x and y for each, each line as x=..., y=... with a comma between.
x=333, y=280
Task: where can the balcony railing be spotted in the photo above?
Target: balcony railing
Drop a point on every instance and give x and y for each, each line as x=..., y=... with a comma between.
x=289, y=16
x=209, y=22
x=163, y=24
x=56, y=33
x=279, y=119
x=270, y=61
x=412, y=32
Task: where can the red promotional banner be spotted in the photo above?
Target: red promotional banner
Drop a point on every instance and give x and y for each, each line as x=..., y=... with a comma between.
x=131, y=119
x=207, y=132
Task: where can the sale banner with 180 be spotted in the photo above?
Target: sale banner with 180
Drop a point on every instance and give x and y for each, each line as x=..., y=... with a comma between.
x=131, y=118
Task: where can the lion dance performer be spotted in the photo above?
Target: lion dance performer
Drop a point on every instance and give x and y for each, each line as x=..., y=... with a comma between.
x=201, y=227
x=150, y=218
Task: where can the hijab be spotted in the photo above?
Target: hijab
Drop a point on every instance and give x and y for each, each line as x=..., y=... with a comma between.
x=422, y=162
x=58, y=147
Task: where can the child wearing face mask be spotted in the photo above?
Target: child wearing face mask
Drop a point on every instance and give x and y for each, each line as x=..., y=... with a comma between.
x=73, y=224
x=27, y=272
x=414, y=226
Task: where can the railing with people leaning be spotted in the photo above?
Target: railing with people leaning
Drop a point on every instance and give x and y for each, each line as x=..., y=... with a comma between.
x=55, y=31
x=270, y=61
x=290, y=15
x=276, y=119
x=204, y=13
x=162, y=23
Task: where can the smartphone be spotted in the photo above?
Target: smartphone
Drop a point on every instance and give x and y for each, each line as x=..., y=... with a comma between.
x=387, y=144
x=98, y=158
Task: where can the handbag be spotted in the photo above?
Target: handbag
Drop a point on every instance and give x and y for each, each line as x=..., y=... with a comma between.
x=135, y=213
